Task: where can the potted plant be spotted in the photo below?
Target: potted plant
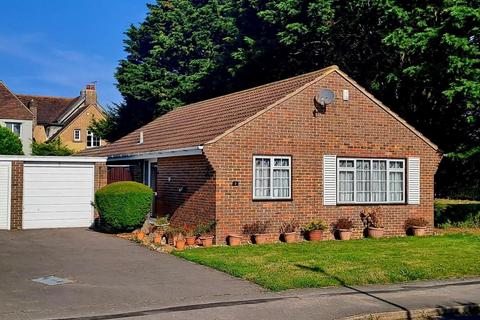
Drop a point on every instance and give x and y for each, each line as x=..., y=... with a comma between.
x=180, y=241
x=205, y=233
x=234, y=240
x=417, y=226
x=371, y=218
x=289, y=231
x=314, y=229
x=190, y=236
x=257, y=230
x=343, y=227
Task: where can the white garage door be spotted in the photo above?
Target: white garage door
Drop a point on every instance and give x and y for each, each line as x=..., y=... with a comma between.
x=57, y=195
x=5, y=195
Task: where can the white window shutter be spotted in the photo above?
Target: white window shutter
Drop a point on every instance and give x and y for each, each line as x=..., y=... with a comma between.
x=329, y=180
x=413, y=180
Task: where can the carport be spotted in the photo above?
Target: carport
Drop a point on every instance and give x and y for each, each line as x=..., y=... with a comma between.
x=49, y=192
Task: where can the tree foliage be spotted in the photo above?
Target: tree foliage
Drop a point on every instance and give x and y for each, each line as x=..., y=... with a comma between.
x=421, y=58
x=10, y=144
x=51, y=148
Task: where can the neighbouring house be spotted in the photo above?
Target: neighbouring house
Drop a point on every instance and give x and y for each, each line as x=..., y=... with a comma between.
x=44, y=118
x=278, y=152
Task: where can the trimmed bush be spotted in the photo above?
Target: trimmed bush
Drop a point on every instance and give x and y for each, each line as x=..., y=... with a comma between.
x=10, y=144
x=457, y=213
x=124, y=205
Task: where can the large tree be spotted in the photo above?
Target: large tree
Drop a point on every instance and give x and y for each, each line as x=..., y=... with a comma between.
x=422, y=58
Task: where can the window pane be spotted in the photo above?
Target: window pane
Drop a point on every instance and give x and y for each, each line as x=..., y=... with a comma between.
x=363, y=180
x=379, y=181
x=345, y=186
x=281, y=183
x=396, y=186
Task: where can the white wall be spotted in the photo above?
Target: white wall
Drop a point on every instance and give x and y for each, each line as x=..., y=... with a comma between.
x=25, y=133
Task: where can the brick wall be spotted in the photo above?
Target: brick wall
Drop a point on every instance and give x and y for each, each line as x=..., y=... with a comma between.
x=186, y=189
x=17, y=195
x=354, y=128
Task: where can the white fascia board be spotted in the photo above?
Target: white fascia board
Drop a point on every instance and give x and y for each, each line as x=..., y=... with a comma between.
x=53, y=158
x=191, y=151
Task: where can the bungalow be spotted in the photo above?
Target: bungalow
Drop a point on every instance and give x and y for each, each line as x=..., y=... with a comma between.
x=312, y=146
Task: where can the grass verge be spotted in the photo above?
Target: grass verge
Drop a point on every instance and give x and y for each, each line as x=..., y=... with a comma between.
x=356, y=262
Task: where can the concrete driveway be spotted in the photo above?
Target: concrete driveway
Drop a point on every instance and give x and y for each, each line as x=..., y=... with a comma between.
x=110, y=275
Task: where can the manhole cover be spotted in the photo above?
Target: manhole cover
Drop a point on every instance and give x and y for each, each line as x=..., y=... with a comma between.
x=52, y=280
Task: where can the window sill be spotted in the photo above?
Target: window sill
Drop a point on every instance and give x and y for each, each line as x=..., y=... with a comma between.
x=273, y=200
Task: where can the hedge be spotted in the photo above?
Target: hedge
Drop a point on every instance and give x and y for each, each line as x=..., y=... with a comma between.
x=457, y=213
x=123, y=206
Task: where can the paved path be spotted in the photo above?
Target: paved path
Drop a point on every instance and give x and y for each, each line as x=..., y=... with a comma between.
x=117, y=279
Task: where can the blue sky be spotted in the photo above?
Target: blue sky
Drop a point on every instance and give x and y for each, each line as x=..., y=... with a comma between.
x=55, y=47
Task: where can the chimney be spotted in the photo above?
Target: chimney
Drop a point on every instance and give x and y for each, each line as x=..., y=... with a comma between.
x=90, y=94
x=32, y=106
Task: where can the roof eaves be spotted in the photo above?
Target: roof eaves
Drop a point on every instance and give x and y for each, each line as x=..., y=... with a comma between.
x=327, y=71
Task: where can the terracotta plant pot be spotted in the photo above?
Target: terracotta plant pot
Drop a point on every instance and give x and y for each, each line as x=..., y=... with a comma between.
x=375, y=232
x=290, y=237
x=207, y=241
x=260, y=238
x=234, y=240
x=344, y=234
x=315, y=235
x=190, y=240
x=157, y=239
x=140, y=235
x=419, y=231
x=180, y=244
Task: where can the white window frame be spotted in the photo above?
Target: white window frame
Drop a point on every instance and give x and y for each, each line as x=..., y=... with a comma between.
x=388, y=170
x=10, y=124
x=272, y=167
x=75, y=131
x=92, y=135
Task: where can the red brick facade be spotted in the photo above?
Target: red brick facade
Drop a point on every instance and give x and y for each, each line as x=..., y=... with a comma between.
x=186, y=189
x=17, y=196
x=354, y=128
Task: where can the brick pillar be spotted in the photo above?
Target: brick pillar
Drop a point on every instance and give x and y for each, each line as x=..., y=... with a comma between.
x=17, y=195
x=100, y=178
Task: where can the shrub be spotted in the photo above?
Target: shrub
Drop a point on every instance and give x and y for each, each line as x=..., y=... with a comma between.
x=189, y=230
x=123, y=205
x=258, y=227
x=10, y=144
x=204, y=229
x=343, y=223
x=457, y=213
x=289, y=226
x=315, y=225
x=371, y=217
x=415, y=222
x=51, y=148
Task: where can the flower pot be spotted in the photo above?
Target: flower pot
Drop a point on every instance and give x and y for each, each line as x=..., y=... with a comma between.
x=260, y=238
x=180, y=244
x=419, y=231
x=234, y=240
x=157, y=239
x=290, y=237
x=190, y=240
x=344, y=234
x=375, y=232
x=207, y=241
x=315, y=235
x=140, y=235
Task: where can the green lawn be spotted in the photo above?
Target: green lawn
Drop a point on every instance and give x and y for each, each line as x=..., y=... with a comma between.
x=332, y=263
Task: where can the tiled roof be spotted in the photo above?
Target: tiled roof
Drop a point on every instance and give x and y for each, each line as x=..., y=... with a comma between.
x=197, y=123
x=11, y=107
x=49, y=109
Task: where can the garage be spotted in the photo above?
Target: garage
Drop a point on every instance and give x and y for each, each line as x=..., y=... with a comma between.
x=57, y=195
x=5, y=195
x=49, y=192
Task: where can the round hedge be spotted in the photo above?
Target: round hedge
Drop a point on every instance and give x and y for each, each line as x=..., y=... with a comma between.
x=123, y=205
x=10, y=144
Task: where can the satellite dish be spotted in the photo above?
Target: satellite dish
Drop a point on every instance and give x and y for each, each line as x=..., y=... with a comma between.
x=325, y=96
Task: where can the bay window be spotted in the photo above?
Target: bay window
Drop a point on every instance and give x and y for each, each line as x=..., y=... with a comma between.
x=271, y=177
x=370, y=180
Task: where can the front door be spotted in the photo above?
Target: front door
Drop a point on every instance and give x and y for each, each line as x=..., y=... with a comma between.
x=152, y=183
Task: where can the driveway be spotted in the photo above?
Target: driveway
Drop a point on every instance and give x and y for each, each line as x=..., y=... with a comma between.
x=110, y=275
